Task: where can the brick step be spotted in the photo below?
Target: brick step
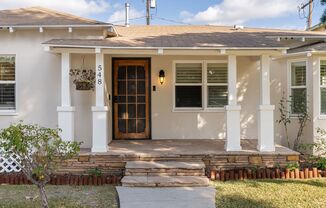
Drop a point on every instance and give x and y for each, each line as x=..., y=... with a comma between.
x=164, y=168
x=165, y=181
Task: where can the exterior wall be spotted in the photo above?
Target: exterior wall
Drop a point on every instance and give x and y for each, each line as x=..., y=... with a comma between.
x=169, y=124
x=38, y=77
x=319, y=121
x=280, y=85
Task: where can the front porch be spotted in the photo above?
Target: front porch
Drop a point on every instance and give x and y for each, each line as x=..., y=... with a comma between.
x=246, y=113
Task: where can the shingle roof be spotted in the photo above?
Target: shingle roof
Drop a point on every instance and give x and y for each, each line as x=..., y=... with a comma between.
x=37, y=16
x=189, y=36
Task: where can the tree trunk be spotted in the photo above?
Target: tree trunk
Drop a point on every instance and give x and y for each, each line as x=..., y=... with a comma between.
x=43, y=196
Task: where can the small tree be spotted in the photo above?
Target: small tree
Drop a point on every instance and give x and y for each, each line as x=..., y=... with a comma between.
x=299, y=108
x=40, y=151
x=284, y=116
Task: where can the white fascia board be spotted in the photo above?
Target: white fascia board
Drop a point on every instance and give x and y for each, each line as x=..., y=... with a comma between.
x=304, y=53
x=298, y=36
x=172, y=48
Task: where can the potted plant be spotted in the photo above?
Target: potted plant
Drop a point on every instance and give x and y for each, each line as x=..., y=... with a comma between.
x=84, y=79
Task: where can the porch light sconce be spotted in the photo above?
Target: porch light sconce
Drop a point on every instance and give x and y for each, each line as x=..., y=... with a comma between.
x=162, y=76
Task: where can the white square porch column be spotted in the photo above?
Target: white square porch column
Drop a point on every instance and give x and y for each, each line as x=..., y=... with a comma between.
x=232, y=109
x=100, y=117
x=266, y=110
x=66, y=112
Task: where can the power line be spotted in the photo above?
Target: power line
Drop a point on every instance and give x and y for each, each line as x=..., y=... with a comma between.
x=171, y=20
x=122, y=20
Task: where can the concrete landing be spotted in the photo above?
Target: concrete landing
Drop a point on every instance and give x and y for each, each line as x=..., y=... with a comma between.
x=181, y=197
x=164, y=165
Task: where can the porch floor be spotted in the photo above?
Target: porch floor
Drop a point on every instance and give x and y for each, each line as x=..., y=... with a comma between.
x=177, y=147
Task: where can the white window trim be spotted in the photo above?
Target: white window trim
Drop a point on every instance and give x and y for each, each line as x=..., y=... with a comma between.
x=320, y=115
x=289, y=81
x=11, y=112
x=204, y=85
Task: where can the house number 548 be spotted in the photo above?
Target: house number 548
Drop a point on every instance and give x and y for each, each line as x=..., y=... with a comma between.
x=99, y=74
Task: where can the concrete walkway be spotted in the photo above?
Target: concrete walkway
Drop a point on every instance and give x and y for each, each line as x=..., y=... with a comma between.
x=183, y=197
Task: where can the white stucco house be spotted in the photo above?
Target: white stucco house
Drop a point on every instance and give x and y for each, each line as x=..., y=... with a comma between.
x=157, y=82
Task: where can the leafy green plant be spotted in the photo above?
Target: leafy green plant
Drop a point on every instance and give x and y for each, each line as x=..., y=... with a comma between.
x=277, y=166
x=254, y=169
x=94, y=171
x=40, y=151
x=292, y=166
x=321, y=163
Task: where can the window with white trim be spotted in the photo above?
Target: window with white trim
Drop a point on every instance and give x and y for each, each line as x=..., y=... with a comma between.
x=217, y=85
x=200, y=85
x=298, y=87
x=323, y=87
x=7, y=83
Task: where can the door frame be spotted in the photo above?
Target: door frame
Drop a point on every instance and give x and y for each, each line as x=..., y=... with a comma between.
x=148, y=59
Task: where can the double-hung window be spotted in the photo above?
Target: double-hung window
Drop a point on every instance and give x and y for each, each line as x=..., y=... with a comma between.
x=217, y=85
x=323, y=87
x=188, y=85
x=298, y=88
x=7, y=84
x=200, y=85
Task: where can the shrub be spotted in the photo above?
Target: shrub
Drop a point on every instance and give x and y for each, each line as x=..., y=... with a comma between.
x=40, y=151
x=318, y=149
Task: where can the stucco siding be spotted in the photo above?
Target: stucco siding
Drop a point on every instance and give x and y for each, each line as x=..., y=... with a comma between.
x=38, y=79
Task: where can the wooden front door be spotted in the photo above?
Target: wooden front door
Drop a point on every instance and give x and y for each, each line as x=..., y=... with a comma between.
x=131, y=100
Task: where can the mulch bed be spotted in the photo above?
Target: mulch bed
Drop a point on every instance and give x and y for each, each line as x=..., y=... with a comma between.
x=265, y=173
x=67, y=179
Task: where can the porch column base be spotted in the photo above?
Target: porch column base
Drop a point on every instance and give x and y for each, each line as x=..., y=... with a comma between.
x=266, y=128
x=233, y=128
x=66, y=122
x=100, y=125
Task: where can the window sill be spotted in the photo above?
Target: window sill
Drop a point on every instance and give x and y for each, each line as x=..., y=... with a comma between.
x=207, y=110
x=8, y=113
x=322, y=117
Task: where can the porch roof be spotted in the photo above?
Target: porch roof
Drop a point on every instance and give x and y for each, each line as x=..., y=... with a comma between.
x=311, y=47
x=199, y=36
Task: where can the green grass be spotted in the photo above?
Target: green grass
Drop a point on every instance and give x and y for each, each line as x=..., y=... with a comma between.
x=15, y=196
x=271, y=193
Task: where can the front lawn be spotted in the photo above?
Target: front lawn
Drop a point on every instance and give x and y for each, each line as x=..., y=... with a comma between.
x=271, y=193
x=16, y=196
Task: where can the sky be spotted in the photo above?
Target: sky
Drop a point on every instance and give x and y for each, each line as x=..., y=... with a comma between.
x=249, y=13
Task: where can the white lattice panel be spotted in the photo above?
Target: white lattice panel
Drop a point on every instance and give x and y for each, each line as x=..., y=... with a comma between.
x=10, y=164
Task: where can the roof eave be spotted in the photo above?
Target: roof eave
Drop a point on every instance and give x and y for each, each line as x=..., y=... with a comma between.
x=169, y=48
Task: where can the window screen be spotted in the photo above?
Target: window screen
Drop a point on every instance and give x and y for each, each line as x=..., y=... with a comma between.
x=298, y=87
x=323, y=87
x=7, y=83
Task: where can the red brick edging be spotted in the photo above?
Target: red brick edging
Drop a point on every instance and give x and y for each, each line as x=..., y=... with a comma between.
x=265, y=173
x=67, y=179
